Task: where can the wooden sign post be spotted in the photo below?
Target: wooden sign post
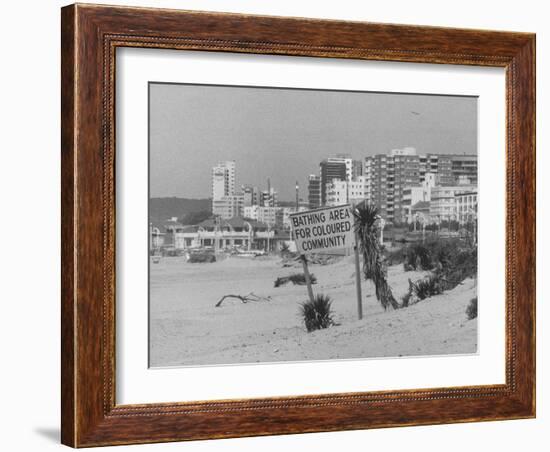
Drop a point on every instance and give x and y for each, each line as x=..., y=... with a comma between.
x=323, y=231
x=308, y=278
x=358, y=279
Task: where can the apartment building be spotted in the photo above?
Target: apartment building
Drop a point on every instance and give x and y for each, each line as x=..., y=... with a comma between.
x=223, y=180
x=345, y=192
x=390, y=178
x=314, y=191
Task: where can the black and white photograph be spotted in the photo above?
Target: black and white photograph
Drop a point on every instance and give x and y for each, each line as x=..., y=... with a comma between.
x=302, y=224
x=267, y=226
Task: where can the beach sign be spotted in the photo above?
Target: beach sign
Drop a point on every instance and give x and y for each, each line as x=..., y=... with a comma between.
x=323, y=230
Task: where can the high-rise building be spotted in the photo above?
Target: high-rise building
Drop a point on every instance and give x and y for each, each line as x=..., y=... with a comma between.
x=223, y=180
x=464, y=165
x=251, y=195
x=336, y=192
x=224, y=201
x=387, y=176
x=356, y=169
x=333, y=168
x=345, y=192
x=357, y=190
x=314, y=191
x=269, y=198
x=439, y=164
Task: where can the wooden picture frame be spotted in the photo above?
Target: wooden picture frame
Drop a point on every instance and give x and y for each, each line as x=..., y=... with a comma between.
x=90, y=35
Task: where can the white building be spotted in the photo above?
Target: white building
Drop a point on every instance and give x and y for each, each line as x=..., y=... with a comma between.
x=223, y=180
x=269, y=215
x=357, y=190
x=273, y=216
x=443, y=204
x=228, y=206
x=415, y=194
x=220, y=234
x=340, y=192
x=251, y=212
x=269, y=198
x=466, y=206
x=251, y=195
x=224, y=201
x=336, y=192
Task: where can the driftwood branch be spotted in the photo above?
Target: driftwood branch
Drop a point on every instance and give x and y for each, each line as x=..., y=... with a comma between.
x=244, y=298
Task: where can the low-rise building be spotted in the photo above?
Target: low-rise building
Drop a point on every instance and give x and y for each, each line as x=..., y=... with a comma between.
x=268, y=215
x=443, y=204
x=415, y=194
x=220, y=234
x=420, y=211
x=271, y=215
x=466, y=206
x=251, y=212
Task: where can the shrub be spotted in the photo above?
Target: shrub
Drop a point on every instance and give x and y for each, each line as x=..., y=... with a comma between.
x=422, y=289
x=317, y=314
x=451, y=262
x=418, y=257
x=463, y=265
x=443, y=257
x=296, y=279
x=471, y=310
x=201, y=258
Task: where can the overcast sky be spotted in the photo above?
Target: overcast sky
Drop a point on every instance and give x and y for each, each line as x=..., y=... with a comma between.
x=284, y=133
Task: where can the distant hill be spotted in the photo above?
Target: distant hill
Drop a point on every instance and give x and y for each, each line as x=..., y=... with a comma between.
x=161, y=209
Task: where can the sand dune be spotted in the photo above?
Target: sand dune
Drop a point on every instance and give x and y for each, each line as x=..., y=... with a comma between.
x=187, y=329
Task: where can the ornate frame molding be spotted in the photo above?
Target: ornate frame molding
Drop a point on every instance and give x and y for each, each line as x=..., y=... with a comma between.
x=90, y=37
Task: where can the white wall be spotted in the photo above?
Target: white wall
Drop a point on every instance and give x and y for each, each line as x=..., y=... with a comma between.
x=29, y=320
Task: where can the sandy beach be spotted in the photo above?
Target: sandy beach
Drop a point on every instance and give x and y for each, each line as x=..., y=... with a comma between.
x=186, y=328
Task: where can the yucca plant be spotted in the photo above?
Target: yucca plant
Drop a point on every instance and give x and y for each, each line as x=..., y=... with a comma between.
x=317, y=314
x=366, y=226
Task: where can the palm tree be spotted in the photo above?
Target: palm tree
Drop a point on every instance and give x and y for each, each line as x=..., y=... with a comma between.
x=366, y=228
